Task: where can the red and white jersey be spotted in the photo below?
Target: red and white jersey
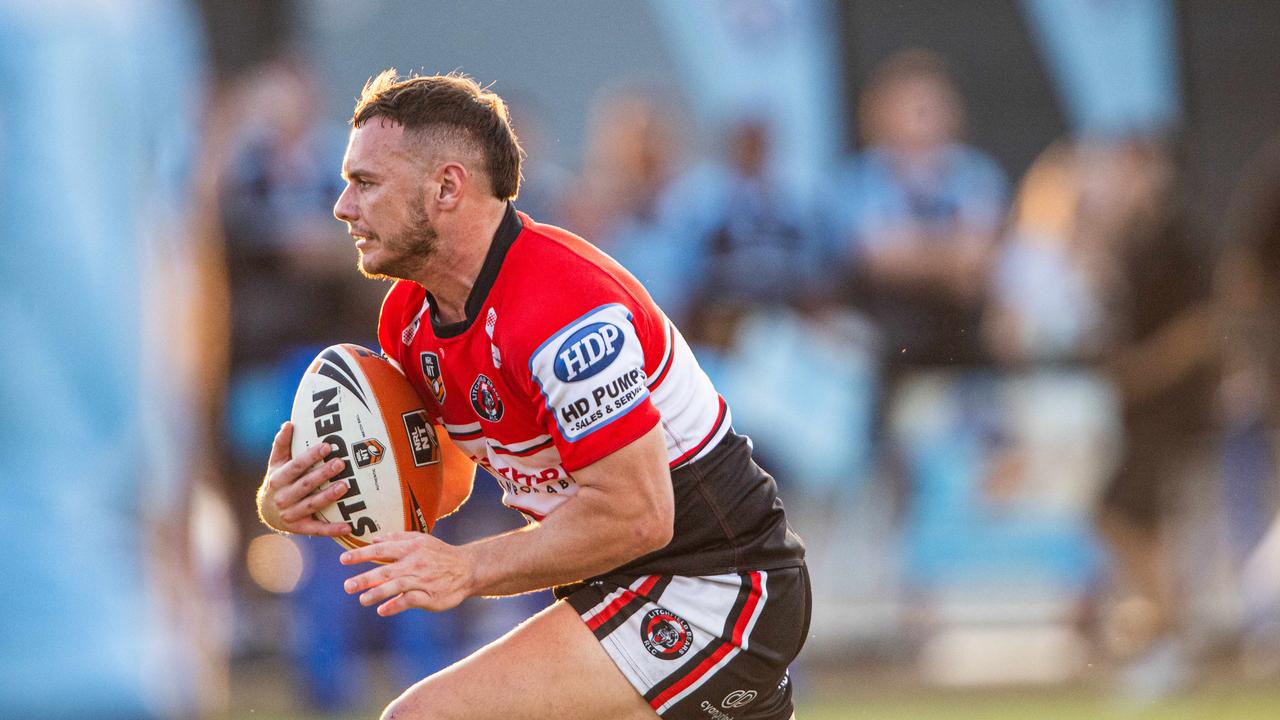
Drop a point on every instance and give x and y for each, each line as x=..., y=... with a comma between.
x=563, y=358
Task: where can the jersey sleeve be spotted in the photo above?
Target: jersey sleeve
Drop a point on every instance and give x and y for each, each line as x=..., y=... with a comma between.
x=590, y=386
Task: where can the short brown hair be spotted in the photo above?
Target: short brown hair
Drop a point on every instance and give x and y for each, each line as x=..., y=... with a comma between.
x=452, y=101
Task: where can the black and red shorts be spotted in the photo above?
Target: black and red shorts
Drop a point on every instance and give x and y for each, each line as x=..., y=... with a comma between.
x=709, y=646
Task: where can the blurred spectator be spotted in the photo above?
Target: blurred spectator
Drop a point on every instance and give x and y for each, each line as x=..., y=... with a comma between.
x=1248, y=283
x=632, y=153
x=293, y=288
x=1047, y=289
x=105, y=439
x=750, y=236
x=284, y=249
x=1161, y=359
x=918, y=213
x=544, y=184
x=915, y=217
x=1103, y=266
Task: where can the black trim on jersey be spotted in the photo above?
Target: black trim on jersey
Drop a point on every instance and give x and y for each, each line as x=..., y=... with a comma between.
x=633, y=606
x=468, y=435
x=688, y=456
x=531, y=450
x=508, y=230
x=667, y=358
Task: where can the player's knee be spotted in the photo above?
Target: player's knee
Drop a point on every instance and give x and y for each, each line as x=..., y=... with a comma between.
x=408, y=707
x=395, y=711
x=423, y=701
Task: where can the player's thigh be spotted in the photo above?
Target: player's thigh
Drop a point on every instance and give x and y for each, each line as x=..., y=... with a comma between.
x=550, y=666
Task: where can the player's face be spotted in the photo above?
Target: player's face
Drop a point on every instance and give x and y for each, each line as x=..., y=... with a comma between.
x=382, y=203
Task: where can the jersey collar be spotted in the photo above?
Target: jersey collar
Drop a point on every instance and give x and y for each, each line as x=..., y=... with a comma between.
x=503, y=239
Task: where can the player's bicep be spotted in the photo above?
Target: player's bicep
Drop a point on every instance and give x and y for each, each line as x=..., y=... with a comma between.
x=635, y=483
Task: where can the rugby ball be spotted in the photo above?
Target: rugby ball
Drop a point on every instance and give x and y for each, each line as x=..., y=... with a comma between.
x=360, y=403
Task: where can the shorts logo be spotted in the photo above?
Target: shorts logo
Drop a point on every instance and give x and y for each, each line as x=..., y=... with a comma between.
x=422, y=439
x=431, y=371
x=485, y=400
x=588, y=351
x=737, y=699
x=367, y=452
x=665, y=635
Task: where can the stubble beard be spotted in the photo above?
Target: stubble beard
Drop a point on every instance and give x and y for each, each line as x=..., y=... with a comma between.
x=405, y=254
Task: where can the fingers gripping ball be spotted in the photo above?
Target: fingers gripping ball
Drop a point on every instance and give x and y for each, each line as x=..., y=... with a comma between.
x=364, y=407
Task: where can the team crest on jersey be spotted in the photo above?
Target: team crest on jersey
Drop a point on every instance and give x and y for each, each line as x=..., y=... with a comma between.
x=431, y=371
x=485, y=400
x=665, y=635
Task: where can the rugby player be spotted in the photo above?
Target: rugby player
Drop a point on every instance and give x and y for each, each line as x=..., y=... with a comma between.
x=680, y=590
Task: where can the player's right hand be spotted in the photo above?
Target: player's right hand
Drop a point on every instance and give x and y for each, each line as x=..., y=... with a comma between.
x=293, y=489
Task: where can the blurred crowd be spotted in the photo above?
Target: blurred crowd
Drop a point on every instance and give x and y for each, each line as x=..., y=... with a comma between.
x=1057, y=388
x=1023, y=422
x=1028, y=415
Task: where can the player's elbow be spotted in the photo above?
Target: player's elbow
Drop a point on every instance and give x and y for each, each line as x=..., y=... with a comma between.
x=655, y=530
x=648, y=537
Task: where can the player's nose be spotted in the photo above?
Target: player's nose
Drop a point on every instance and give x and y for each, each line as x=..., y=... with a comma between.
x=345, y=208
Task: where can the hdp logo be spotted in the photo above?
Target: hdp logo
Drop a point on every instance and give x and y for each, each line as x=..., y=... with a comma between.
x=588, y=351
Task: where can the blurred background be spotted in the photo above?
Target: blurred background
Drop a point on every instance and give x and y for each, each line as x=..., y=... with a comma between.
x=994, y=286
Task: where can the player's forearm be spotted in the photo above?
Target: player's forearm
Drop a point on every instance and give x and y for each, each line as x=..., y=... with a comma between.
x=587, y=536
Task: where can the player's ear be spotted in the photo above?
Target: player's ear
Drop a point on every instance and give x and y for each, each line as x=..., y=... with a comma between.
x=452, y=180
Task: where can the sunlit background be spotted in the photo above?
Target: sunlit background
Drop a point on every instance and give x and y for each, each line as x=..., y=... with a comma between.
x=993, y=285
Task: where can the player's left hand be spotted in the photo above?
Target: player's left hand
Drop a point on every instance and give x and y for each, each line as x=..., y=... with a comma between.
x=423, y=572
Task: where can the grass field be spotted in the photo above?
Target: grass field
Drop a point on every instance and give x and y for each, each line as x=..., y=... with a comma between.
x=1253, y=702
